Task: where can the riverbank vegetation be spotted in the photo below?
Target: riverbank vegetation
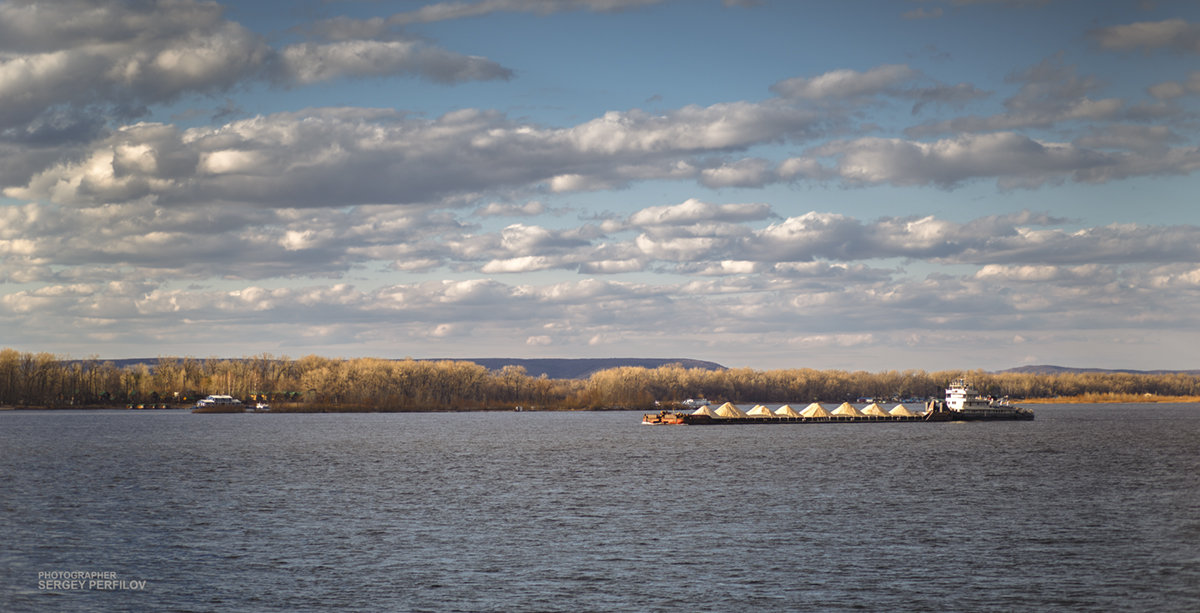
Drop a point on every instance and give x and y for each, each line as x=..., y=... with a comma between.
x=315, y=383
x=1110, y=398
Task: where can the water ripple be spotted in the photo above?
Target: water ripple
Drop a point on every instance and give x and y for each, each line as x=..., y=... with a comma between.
x=1088, y=508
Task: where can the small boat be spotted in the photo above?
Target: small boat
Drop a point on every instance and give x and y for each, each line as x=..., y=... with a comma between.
x=219, y=403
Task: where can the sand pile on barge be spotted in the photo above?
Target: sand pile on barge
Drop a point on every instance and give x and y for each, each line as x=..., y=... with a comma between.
x=760, y=411
x=875, y=410
x=728, y=410
x=786, y=411
x=814, y=410
x=848, y=410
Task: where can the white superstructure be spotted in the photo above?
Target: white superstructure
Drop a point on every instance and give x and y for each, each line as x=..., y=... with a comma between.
x=965, y=400
x=217, y=400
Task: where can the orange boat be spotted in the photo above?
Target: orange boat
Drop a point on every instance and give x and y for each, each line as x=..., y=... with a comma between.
x=663, y=418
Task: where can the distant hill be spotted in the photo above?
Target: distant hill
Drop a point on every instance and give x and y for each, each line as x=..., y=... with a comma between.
x=582, y=368
x=554, y=368
x=1047, y=369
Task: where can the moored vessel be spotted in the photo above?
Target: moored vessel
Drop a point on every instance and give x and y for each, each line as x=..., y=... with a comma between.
x=219, y=403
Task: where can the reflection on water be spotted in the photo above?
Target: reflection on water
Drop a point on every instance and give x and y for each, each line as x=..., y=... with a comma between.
x=1089, y=507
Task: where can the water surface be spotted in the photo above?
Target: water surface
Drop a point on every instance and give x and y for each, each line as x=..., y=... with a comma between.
x=1090, y=507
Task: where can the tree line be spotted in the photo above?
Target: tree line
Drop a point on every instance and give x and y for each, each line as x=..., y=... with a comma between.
x=372, y=384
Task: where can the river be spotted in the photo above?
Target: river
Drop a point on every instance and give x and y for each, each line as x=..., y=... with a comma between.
x=1090, y=507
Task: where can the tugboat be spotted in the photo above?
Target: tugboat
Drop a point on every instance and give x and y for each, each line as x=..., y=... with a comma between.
x=664, y=418
x=964, y=403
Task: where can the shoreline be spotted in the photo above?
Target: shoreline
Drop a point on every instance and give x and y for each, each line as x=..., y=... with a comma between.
x=1082, y=399
x=1111, y=399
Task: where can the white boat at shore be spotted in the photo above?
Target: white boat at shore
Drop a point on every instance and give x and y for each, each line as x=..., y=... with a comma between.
x=219, y=403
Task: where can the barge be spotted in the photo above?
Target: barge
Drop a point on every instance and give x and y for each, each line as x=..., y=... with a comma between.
x=962, y=403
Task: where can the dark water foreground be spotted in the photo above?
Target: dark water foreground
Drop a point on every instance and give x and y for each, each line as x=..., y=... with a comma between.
x=1091, y=507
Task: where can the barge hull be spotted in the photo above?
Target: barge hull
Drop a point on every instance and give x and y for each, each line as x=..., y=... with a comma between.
x=687, y=419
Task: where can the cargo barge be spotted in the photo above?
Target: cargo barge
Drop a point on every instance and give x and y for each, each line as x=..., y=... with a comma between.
x=962, y=403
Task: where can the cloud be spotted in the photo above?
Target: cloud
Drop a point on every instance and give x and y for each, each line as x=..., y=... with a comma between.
x=793, y=169
x=693, y=211
x=201, y=242
x=107, y=55
x=348, y=156
x=807, y=276
x=1170, y=90
x=814, y=235
x=1148, y=140
x=1011, y=239
x=325, y=226
x=831, y=237
x=1113, y=244
x=443, y=11
x=722, y=126
x=1050, y=93
x=115, y=58
x=1090, y=274
x=845, y=83
x=499, y=209
x=39, y=243
x=526, y=263
x=312, y=62
x=955, y=96
x=849, y=308
x=891, y=80
x=612, y=267
x=1175, y=34
x=1015, y=159
x=747, y=172
x=520, y=238
x=1176, y=276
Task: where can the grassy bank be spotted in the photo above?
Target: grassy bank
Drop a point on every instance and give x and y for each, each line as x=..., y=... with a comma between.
x=1107, y=398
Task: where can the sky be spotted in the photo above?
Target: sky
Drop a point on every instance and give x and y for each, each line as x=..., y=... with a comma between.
x=868, y=185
